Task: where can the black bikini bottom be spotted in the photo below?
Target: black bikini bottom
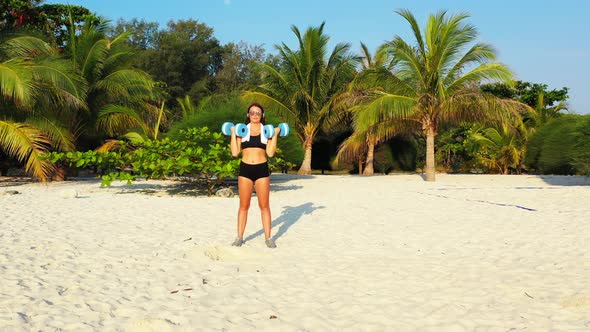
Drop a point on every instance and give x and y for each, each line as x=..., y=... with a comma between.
x=254, y=172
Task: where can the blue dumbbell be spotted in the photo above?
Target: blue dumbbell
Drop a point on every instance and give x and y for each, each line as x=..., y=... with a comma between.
x=226, y=128
x=284, y=127
x=268, y=131
x=240, y=129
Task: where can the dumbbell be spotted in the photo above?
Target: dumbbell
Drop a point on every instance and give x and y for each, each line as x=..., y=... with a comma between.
x=269, y=130
x=240, y=129
x=284, y=129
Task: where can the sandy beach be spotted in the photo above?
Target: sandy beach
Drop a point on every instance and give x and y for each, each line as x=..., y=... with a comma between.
x=381, y=253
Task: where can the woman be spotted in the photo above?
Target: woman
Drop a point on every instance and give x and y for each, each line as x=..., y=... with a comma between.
x=254, y=172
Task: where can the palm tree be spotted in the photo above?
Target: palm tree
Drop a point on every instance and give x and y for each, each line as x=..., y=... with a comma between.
x=120, y=98
x=544, y=112
x=437, y=81
x=36, y=90
x=303, y=86
x=374, y=75
x=500, y=149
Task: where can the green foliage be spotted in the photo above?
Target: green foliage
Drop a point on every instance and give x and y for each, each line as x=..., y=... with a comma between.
x=200, y=156
x=547, y=104
x=432, y=81
x=15, y=14
x=383, y=159
x=581, y=150
x=52, y=20
x=55, y=21
x=213, y=111
x=527, y=92
x=103, y=162
x=496, y=149
x=185, y=56
x=143, y=34
x=279, y=163
x=406, y=152
x=38, y=90
x=561, y=146
x=451, y=150
x=120, y=97
x=238, y=71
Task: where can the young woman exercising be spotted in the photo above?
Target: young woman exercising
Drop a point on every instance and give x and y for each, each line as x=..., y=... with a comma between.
x=254, y=173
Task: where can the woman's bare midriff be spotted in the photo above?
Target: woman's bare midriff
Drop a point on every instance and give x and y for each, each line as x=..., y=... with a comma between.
x=253, y=156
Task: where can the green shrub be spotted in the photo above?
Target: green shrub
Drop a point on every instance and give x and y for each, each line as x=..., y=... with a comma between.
x=212, y=112
x=562, y=146
x=383, y=159
x=580, y=153
x=406, y=153
x=199, y=155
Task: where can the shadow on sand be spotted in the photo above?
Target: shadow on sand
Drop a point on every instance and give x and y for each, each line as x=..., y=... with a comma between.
x=184, y=188
x=565, y=180
x=14, y=181
x=552, y=180
x=290, y=215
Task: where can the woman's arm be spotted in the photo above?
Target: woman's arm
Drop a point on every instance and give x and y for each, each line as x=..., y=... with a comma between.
x=271, y=146
x=234, y=143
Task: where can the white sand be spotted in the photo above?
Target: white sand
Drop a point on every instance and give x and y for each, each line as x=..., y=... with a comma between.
x=383, y=253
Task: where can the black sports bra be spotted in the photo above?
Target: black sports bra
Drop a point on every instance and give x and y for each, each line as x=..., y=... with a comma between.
x=254, y=142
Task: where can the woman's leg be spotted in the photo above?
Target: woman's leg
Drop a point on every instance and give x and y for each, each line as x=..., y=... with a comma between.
x=245, y=187
x=262, y=186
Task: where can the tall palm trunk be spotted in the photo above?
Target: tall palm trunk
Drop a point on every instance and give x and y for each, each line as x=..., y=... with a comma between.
x=305, y=168
x=369, y=170
x=430, y=168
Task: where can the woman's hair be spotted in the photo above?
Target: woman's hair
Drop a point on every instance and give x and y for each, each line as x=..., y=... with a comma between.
x=248, y=113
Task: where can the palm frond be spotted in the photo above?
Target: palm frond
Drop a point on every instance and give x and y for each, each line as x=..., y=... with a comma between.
x=68, y=86
x=484, y=72
x=478, y=53
x=91, y=58
x=26, y=47
x=116, y=119
x=109, y=145
x=126, y=83
x=16, y=82
x=134, y=137
x=385, y=107
x=408, y=16
x=352, y=148
x=26, y=144
x=408, y=66
x=60, y=137
x=187, y=106
x=270, y=104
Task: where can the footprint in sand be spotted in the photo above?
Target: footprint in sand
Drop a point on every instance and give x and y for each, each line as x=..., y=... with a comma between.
x=223, y=264
x=226, y=254
x=234, y=254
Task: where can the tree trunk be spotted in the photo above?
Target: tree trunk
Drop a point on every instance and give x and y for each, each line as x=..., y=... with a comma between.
x=360, y=167
x=305, y=168
x=369, y=170
x=430, y=166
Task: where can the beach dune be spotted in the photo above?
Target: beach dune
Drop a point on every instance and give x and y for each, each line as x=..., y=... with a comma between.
x=381, y=253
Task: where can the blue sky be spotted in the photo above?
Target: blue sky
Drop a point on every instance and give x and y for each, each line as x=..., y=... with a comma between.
x=542, y=41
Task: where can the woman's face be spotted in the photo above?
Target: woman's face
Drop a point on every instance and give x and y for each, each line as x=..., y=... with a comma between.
x=255, y=114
